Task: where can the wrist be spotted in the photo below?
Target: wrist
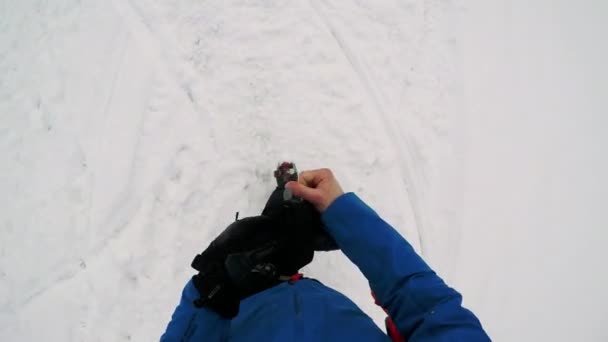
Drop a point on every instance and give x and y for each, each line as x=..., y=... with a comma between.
x=333, y=208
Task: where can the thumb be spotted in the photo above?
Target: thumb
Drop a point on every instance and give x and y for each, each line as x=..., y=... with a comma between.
x=300, y=190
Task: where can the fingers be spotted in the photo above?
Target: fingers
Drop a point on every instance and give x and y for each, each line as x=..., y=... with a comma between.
x=312, y=178
x=309, y=178
x=318, y=187
x=299, y=190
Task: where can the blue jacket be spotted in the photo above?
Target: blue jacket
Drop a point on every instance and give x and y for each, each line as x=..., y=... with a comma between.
x=421, y=305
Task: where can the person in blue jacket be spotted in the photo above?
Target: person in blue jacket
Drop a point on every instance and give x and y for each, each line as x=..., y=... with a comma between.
x=248, y=291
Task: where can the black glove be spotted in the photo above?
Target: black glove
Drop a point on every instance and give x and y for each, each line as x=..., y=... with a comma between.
x=300, y=215
x=240, y=262
x=251, y=254
x=216, y=290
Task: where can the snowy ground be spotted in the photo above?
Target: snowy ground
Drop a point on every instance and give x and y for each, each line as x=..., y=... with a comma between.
x=132, y=131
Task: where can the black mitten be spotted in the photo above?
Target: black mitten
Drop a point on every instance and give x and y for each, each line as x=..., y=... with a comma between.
x=238, y=263
x=252, y=254
x=301, y=217
x=216, y=290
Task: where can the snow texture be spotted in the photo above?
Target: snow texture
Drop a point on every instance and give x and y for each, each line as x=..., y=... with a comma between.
x=131, y=131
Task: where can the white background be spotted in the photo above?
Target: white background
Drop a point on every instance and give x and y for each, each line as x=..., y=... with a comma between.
x=132, y=131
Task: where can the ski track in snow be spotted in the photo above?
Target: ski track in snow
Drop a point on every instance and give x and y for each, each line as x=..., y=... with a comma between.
x=403, y=156
x=157, y=130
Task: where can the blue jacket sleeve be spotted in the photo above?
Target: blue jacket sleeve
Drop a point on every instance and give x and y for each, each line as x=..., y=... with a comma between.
x=422, y=306
x=190, y=323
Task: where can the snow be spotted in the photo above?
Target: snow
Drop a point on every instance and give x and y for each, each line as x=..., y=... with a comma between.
x=132, y=131
x=533, y=247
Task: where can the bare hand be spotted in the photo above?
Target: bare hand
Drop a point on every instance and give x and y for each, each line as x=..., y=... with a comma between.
x=318, y=187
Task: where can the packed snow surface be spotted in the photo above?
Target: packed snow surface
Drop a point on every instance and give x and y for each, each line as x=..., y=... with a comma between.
x=131, y=131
